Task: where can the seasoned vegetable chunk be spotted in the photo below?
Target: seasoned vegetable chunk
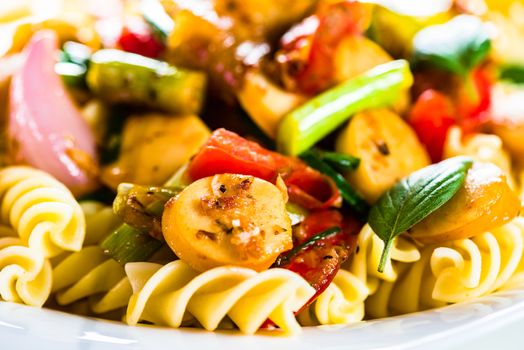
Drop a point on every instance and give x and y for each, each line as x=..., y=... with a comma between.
x=484, y=202
x=388, y=148
x=228, y=219
x=154, y=146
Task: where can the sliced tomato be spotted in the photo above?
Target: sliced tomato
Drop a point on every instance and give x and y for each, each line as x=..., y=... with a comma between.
x=226, y=152
x=319, y=263
x=431, y=117
x=308, y=48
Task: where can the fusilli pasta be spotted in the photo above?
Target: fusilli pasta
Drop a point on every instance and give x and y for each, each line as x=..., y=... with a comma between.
x=454, y=272
x=89, y=272
x=487, y=148
x=25, y=274
x=41, y=210
x=343, y=301
x=164, y=294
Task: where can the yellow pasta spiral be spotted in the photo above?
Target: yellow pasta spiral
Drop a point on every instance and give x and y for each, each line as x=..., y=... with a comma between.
x=474, y=267
x=25, y=274
x=343, y=301
x=487, y=148
x=165, y=294
x=457, y=271
x=41, y=210
x=89, y=272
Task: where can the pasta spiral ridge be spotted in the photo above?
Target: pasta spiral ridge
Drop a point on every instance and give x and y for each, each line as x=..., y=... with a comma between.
x=41, y=210
x=166, y=294
x=454, y=272
x=487, y=148
x=25, y=274
x=343, y=301
x=90, y=272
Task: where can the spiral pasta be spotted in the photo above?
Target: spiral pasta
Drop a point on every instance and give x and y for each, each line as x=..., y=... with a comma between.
x=455, y=272
x=343, y=301
x=25, y=275
x=89, y=272
x=41, y=210
x=164, y=294
x=485, y=148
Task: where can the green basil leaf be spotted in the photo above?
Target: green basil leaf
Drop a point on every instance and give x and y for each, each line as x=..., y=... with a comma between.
x=414, y=198
x=456, y=46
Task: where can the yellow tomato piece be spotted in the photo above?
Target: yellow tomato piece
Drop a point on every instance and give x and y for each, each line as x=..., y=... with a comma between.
x=265, y=102
x=484, y=202
x=388, y=150
x=228, y=219
x=355, y=55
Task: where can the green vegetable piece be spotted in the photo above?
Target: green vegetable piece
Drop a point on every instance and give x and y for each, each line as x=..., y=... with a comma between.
x=141, y=206
x=456, y=46
x=309, y=123
x=76, y=53
x=330, y=232
x=513, y=73
x=414, y=198
x=122, y=77
x=154, y=14
x=350, y=196
x=340, y=161
x=128, y=244
x=72, y=74
x=73, y=63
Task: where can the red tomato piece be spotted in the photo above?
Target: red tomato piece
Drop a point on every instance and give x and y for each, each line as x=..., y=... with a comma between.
x=226, y=152
x=319, y=263
x=137, y=37
x=319, y=36
x=431, y=117
x=475, y=113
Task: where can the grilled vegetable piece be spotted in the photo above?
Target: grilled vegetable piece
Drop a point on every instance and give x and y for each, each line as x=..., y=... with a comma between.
x=159, y=145
x=58, y=140
x=142, y=206
x=122, y=77
x=309, y=123
x=387, y=147
x=484, y=202
x=228, y=219
x=265, y=102
x=356, y=54
x=128, y=244
x=323, y=241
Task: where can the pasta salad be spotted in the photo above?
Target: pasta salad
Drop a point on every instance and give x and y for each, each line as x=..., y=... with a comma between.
x=251, y=165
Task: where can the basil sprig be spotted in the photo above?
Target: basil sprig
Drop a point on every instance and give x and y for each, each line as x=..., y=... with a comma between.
x=456, y=46
x=414, y=198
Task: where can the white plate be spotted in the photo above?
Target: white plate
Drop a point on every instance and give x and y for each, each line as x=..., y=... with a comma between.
x=478, y=321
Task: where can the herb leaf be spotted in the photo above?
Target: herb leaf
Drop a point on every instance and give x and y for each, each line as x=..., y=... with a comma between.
x=414, y=198
x=456, y=46
x=340, y=161
x=350, y=196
